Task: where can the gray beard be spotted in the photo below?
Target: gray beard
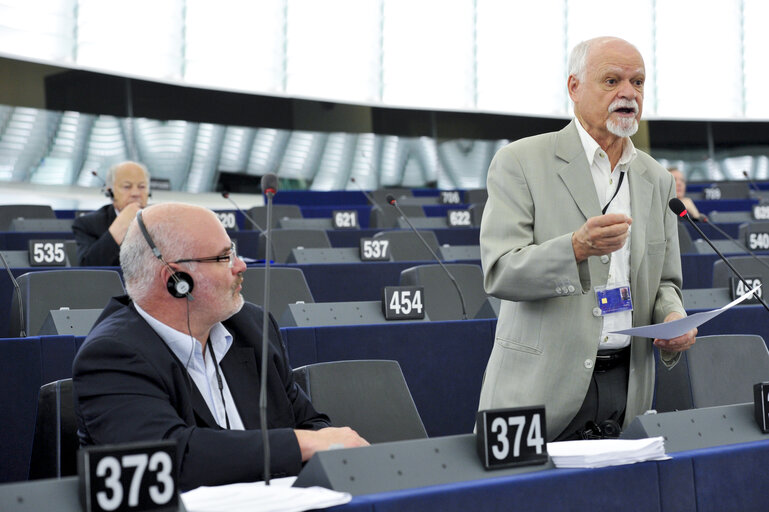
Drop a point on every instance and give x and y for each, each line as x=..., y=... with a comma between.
x=622, y=128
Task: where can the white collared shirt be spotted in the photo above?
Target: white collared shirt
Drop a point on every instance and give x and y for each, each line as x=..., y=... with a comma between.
x=606, y=183
x=190, y=352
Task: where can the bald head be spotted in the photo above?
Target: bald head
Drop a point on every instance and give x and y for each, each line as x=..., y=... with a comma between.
x=129, y=183
x=179, y=231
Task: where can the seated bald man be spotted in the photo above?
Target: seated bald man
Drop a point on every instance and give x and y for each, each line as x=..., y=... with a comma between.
x=151, y=366
x=100, y=233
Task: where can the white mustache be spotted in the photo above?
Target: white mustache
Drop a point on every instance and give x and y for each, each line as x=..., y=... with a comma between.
x=622, y=103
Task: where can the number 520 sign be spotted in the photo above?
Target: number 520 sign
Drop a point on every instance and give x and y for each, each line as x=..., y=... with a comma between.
x=511, y=437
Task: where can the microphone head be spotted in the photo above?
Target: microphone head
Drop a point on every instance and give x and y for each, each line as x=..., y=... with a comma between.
x=390, y=199
x=678, y=207
x=352, y=178
x=745, y=173
x=269, y=183
x=226, y=195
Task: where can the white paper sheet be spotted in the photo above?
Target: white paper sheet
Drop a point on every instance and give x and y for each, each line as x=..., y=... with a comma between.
x=279, y=496
x=668, y=330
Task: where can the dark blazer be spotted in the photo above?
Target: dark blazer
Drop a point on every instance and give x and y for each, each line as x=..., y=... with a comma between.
x=129, y=386
x=95, y=245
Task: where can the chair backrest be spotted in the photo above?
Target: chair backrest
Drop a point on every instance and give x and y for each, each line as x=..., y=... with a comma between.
x=8, y=212
x=745, y=265
x=43, y=291
x=371, y=396
x=405, y=245
x=476, y=195
x=41, y=225
x=55, y=444
x=385, y=216
x=288, y=286
x=720, y=217
x=441, y=299
x=284, y=240
x=279, y=211
x=685, y=242
x=725, y=246
x=717, y=370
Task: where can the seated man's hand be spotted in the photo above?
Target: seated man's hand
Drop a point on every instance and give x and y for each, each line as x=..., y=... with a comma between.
x=120, y=224
x=311, y=441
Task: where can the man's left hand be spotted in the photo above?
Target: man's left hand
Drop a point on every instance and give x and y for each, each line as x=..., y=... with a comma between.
x=680, y=343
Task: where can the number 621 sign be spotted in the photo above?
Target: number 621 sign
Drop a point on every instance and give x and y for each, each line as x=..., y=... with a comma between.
x=511, y=437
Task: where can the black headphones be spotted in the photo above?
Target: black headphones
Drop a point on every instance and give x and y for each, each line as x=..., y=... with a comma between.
x=179, y=284
x=108, y=192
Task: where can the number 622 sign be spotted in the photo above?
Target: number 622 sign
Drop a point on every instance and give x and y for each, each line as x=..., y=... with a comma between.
x=511, y=437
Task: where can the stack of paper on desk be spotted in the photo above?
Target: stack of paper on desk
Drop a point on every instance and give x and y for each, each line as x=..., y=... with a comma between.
x=596, y=453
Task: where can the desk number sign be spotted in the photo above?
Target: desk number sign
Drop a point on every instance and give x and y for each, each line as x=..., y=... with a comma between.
x=739, y=288
x=374, y=249
x=129, y=477
x=511, y=437
x=345, y=219
x=403, y=302
x=47, y=253
x=450, y=197
x=459, y=218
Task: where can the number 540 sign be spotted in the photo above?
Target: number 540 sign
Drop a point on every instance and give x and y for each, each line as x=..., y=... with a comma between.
x=511, y=437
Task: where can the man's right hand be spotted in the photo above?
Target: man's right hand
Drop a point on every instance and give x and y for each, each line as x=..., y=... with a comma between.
x=120, y=225
x=600, y=235
x=311, y=441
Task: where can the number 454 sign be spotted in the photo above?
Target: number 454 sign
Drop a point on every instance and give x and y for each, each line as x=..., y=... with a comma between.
x=511, y=437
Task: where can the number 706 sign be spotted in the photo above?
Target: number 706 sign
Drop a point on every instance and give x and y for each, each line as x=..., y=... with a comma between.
x=511, y=437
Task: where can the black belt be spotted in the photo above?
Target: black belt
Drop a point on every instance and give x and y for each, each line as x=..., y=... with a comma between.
x=609, y=359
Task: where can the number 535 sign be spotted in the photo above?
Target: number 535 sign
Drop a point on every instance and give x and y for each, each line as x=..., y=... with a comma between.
x=511, y=437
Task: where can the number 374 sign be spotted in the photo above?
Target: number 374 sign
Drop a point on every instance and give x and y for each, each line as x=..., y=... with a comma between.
x=511, y=437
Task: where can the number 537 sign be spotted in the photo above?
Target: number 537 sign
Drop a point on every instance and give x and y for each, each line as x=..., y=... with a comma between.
x=511, y=437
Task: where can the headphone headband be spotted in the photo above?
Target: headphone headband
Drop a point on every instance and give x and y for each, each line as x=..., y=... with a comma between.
x=179, y=284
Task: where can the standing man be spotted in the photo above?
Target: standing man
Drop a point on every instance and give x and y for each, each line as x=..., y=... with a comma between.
x=100, y=233
x=180, y=359
x=577, y=239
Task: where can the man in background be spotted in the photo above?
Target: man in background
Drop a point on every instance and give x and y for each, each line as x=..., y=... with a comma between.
x=180, y=357
x=100, y=233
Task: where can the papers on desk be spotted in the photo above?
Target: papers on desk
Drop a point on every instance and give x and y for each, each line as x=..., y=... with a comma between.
x=669, y=330
x=597, y=453
x=279, y=496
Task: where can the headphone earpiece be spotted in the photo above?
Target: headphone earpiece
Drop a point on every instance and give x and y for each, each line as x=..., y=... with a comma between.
x=180, y=285
x=108, y=192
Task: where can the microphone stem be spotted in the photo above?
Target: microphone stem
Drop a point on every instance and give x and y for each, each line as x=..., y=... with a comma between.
x=265, y=336
x=723, y=258
x=453, y=281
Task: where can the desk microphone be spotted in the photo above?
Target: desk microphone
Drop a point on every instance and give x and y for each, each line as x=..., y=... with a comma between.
x=226, y=195
x=270, y=187
x=369, y=197
x=679, y=209
x=752, y=184
x=390, y=199
x=22, y=334
x=107, y=191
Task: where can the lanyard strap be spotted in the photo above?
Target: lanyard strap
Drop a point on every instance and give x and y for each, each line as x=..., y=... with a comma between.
x=619, y=186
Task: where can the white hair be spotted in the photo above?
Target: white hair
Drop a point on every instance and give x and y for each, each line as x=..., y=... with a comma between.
x=578, y=59
x=139, y=263
x=110, y=179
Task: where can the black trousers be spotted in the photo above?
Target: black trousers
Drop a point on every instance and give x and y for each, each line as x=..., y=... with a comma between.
x=606, y=397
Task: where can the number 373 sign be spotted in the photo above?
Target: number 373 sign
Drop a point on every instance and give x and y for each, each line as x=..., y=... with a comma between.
x=511, y=437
